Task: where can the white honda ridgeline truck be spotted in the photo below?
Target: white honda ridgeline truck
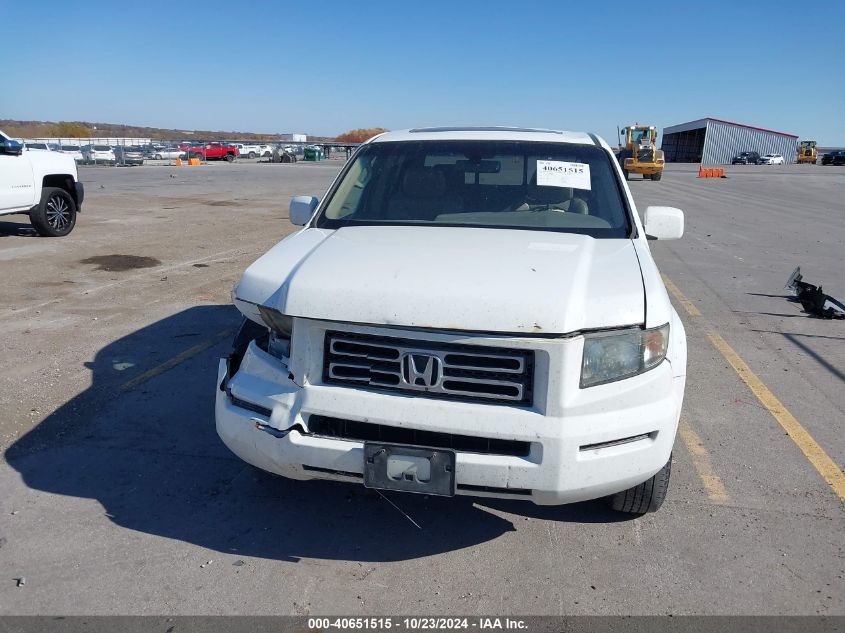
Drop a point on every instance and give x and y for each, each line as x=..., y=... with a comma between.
x=468, y=311
x=42, y=184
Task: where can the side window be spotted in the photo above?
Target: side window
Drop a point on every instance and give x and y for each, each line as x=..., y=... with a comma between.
x=347, y=198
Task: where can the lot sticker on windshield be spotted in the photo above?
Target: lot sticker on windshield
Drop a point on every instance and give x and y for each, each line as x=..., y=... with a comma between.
x=558, y=173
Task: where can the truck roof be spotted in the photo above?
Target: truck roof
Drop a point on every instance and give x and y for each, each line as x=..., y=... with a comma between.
x=488, y=134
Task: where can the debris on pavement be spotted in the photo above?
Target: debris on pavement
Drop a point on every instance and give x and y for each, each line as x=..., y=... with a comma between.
x=813, y=299
x=21, y=581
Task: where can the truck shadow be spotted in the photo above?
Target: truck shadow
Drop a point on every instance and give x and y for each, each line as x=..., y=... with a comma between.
x=151, y=457
x=17, y=229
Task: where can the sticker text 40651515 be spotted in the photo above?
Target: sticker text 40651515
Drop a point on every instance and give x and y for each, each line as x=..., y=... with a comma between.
x=558, y=173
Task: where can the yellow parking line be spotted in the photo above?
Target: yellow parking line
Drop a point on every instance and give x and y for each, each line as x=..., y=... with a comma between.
x=820, y=460
x=179, y=358
x=689, y=306
x=701, y=460
x=827, y=468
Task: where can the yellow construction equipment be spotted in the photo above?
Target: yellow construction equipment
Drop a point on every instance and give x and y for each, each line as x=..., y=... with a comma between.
x=640, y=154
x=807, y=152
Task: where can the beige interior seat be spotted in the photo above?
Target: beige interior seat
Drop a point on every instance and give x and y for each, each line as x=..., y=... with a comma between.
x=423, y=196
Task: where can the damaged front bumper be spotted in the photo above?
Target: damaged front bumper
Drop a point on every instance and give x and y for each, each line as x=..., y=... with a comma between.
x=579, y=444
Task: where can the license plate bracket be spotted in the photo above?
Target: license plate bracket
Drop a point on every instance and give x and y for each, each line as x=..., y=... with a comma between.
x=429, y=471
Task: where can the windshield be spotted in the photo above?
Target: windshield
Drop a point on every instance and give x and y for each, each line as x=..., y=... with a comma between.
x=481, y=183
x=637, y=134
x=36, y=146
x=70, y=148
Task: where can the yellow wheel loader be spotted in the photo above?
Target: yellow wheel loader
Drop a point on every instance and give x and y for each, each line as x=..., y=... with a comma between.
x=807, y=152
x=640, y=154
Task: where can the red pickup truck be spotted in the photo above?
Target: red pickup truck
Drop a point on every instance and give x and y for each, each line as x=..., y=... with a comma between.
x=213, y=151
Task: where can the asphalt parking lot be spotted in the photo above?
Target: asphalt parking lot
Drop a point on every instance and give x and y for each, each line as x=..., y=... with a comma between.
x=118, y=497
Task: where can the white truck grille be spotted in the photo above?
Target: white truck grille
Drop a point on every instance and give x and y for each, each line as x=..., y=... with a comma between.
x=427, y=368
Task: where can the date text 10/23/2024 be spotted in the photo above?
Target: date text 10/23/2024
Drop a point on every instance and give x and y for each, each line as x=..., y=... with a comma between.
x=416, y=623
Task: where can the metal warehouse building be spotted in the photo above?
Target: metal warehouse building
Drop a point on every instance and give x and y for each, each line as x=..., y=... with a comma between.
x=714, y=141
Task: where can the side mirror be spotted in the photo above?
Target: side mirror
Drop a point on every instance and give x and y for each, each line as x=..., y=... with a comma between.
x=663, y=223
x=302, y=208
x=11, y=148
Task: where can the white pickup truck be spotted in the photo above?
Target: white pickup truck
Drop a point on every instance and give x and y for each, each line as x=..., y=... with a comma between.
x=248, y=151
x=43, y=185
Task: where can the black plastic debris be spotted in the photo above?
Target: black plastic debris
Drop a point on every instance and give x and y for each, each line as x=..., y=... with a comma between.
x=813, y=299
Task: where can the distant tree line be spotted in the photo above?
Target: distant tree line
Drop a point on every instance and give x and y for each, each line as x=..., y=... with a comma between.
x=41, y=129
x=360, y=135
x=84, y=129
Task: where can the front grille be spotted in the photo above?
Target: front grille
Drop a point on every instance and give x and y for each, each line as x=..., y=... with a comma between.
x=367, y=432
x=425, y=368
x=645, y=155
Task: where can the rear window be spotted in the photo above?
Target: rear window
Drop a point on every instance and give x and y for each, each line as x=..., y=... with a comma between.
x=494, y=184
x=70, y=148
x=101, y=148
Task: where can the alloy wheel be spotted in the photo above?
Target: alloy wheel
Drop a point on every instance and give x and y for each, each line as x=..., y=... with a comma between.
x=58, y=213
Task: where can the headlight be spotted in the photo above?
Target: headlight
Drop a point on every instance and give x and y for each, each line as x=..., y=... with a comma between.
x=616, y=355
x=281, y=328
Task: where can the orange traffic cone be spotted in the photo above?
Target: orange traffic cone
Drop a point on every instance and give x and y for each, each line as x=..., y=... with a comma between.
x=700, y=171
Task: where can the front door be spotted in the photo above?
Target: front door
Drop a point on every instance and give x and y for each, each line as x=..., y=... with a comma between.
x=16, y=184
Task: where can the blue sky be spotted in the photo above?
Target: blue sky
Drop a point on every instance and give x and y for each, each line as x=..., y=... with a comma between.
x=323, y=67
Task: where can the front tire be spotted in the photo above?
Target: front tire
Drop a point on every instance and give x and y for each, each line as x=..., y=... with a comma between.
x=230, y=158
x=250, y=155
x=55, y=216
x=646, y=497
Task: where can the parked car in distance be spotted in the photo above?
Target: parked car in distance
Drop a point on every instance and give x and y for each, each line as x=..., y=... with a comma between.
x=214, y=151
x=43, y=185
x=282, y=154
x=246, y=150
x=151, y=149
x=771, y=159
x=167, y=153
x=39, y=146
x=98, y=154
x=130, y=155
x=746, y=158
x=836, y=157
x=265, y=151
x=73, y=151
x=367, y=355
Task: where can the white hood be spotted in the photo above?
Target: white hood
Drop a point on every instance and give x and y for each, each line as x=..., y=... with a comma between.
x=487, y=280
